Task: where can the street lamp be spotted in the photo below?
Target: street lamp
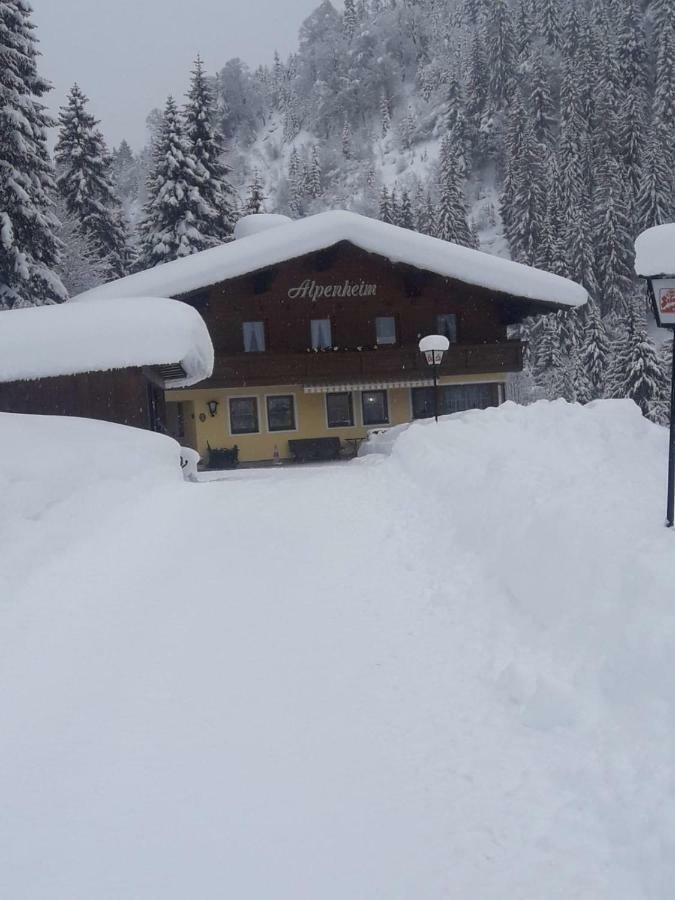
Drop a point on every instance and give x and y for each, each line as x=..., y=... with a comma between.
x=655, y=261
x=434, y=347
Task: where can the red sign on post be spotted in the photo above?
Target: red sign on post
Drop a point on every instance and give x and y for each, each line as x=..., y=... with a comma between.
x=664, y=294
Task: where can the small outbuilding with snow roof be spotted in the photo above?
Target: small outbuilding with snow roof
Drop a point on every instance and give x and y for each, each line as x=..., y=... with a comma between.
x=112, y=359
x=316, y=325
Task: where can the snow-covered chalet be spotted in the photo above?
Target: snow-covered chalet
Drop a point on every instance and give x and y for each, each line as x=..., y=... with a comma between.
x=316, y=322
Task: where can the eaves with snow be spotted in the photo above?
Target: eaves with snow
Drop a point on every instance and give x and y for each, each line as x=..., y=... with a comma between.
x=655, y=251
x=167, y=338
x=278, y=239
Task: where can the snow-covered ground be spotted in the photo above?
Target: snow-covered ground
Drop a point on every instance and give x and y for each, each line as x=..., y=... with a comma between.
x=442, y=671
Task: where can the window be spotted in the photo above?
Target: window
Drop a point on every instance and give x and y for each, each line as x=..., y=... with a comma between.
x=262, y=281
x=385, y=329
x=339, y=410
x=244, y=415
x=375, y=408
x=446, y=325
x=254, y=337
x=423, y=402
x=281, y=413
x=452, y=398
x=321, y=336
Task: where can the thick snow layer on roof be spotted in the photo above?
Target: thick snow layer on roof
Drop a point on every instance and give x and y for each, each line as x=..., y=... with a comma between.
x=655, y=251
x=258, y=222
x=314, y=233
x=72, y=338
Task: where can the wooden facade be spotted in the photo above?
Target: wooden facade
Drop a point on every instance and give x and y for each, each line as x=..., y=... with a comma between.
x=414, y=298
x=124, y=396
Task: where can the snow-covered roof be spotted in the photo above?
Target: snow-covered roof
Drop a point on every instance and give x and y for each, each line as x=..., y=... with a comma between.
x=257, y=222
x=655, y=251
x=314, y=233
x=72, y=338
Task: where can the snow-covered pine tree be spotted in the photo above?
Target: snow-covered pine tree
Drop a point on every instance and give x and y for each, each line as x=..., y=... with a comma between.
x=406, y=219
x=85, y=181
x=613, y=238
x=545, y=355
x=595, y=350
x=395, y=207
x=295, y=184
x=501, y=47
x=631, y=47
x=426, y=216
x=550, y=22
x=385, y=212
x=28, y=246
x=349, y=21
x=523, y=199
x=174, y=208
x=408, y=128
x=205, y=144
x=541, y=101
x=457, y=126
x=451, y=218
x=314, y=180
x=385, y=115
x=79, y=267
x=631, y=135
x=571, y=32
x=476, y=88
x=664, y=99
x=655, y=200
x=661, y=408
x=255, y=199
x=346, y=140
x=635, y=372
x=125, y=170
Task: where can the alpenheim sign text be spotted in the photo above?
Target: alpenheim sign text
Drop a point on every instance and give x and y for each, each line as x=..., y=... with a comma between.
x=312, y=291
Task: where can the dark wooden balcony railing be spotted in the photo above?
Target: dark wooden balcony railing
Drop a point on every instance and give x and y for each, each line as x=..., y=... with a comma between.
x=335, y=366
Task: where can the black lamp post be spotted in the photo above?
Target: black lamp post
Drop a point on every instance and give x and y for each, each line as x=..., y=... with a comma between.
x=662, y=293
x=434, y=347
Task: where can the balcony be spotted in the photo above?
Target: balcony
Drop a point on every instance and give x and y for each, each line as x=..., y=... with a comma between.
x=327, y=367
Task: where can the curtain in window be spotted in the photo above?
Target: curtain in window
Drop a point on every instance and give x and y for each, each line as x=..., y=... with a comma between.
x=385, y=329
x=446, y=325
x=321, y=336
x=254, y=337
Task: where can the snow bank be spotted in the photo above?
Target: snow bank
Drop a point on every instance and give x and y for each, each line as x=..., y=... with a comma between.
x=655, y=251
x=60, y=477
x=445, y=672
x=72, y=338
x=318, y=232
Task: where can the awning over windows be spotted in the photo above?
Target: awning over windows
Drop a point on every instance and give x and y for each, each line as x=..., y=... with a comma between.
x=366, y=385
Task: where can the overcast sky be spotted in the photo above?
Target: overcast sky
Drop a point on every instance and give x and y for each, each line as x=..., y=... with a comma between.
x=128, y=55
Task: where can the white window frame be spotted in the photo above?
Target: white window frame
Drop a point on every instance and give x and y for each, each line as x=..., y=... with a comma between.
x=365, y=424
x=295, y=413
x=255, y=397
x=325, y=409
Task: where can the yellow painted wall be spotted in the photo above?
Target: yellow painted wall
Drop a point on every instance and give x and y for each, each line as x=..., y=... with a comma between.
x=310, y=415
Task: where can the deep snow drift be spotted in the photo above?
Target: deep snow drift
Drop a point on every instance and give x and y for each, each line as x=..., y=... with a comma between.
x=440, y=672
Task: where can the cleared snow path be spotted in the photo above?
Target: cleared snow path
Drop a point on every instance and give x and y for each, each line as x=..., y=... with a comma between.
x=442, y=674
